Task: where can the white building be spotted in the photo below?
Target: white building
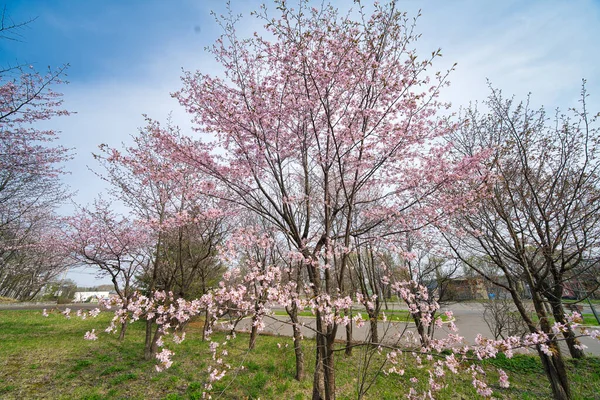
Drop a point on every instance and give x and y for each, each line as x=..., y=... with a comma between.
x=92, y=297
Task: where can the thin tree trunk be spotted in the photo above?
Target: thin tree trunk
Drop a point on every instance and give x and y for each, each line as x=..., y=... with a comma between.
x=329, y=366
x=318, y=378
x=206, y=325
x=374, y=328
x=423, y=336
x=299, y=353
x=148, y=350
x=322, y=375
x=148, y=340
x=123, y=324
x=123, y=329
x=253, y=334
x=157, y=335
x=559, y=316
x=348, y=350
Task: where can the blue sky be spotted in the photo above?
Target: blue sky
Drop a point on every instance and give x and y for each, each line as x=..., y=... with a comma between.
x=127, y=56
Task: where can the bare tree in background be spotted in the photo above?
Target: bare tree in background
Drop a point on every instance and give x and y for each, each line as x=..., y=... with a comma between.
x=428, y=266
x=540, y=223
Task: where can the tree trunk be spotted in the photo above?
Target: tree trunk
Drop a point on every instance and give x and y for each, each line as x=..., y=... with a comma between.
x=34, y=293
x=421, y=330
x=556, y=372
x=253, y=334
x=324, y=377
x=293, y=313
x=374, y=328
x=299, y=353
x=318, y=378
x=328, y=365
x=559, y=316
x=348, y=350
x=431, y=327
x=157, y=335
x=206, y=325
x=148, y=341
x=148, y=352
x=122, y=333
x=554, y=365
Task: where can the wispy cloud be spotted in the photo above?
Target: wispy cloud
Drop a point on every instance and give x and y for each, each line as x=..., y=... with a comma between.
x=543, y=47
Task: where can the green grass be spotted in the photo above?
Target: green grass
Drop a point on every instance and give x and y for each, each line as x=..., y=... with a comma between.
x=588, y=319
x=48, y=358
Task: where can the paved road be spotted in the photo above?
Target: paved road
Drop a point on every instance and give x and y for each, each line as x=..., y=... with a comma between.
x=48, y=306
x=468, y=319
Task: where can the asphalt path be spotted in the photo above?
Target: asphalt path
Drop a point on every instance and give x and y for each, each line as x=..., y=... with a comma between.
x=48, y=306
x=468, y=319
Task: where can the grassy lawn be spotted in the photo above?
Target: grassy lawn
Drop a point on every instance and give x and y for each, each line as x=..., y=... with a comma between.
x=48, y=358
x=588, y=319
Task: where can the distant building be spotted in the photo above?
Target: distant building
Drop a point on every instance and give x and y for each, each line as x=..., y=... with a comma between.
x=465, y=289
x=90, y=297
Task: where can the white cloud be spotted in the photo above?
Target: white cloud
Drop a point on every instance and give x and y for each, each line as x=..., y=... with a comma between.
x=541, y=47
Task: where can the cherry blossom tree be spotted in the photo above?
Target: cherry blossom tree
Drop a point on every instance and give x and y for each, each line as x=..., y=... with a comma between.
x=365, y=267
x=148, y=199
x=114, y=244
x=166, y=197
x=427, y=262
x=34, y=259
x=30, y=160
x=327, y=131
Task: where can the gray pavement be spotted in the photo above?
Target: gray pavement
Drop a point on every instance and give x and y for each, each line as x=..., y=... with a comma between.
x=48, y=306
x=468, y=319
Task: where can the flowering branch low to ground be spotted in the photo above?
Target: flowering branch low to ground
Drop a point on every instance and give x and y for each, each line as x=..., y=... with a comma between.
x=441, y=359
